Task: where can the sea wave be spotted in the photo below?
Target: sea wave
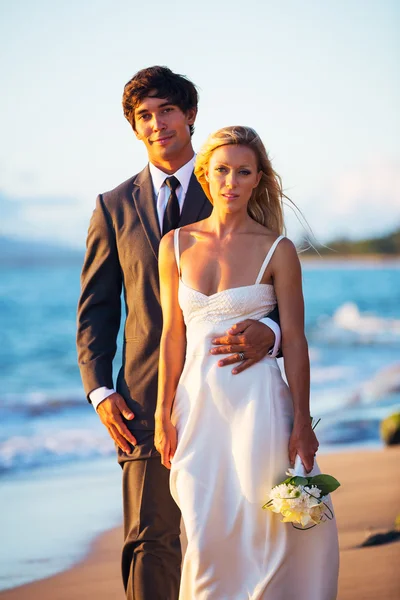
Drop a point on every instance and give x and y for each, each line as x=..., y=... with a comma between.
x=352, y=418
x=42, y=403
x=382, y=387
x=330, y=374
x=350, y=326
x=27, y=452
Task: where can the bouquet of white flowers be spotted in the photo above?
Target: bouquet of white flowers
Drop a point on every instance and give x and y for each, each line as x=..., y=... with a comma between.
x=301, y=499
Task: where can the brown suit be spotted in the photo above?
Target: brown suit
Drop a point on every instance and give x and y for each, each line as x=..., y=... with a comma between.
x=122, y=250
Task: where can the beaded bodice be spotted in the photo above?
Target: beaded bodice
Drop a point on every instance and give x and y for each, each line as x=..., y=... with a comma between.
x=234, y=304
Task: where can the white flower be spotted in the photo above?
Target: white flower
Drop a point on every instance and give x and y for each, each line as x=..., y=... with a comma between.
x=297, y=504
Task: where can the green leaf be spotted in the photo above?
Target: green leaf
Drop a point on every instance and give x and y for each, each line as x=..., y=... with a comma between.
x=297, y=480
x=288, y=480
x=326, y=483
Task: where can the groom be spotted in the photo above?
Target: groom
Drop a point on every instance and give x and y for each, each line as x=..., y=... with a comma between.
x=122, y=247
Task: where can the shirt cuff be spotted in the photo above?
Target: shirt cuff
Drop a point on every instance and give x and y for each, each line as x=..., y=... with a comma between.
x=277, y=331
x=100, y=394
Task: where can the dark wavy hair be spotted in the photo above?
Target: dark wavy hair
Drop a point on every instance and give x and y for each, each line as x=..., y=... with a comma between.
x=161, y=82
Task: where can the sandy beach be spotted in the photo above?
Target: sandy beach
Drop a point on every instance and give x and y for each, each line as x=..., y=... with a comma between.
x=367, y=503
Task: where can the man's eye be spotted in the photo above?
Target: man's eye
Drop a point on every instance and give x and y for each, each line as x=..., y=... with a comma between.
x=144, y=117
x=169, y=109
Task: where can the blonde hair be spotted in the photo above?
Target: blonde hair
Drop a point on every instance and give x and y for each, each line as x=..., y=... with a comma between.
x=266, y=202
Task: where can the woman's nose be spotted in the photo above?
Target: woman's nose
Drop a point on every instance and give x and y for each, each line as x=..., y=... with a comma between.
x=230, y=180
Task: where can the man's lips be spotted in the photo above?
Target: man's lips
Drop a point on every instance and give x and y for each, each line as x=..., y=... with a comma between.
x=162, y=139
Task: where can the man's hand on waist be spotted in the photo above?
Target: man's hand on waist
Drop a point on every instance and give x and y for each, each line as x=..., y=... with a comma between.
x=246, y=342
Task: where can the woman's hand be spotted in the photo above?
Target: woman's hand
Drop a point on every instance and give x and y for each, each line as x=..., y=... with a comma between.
x=165, y=440
x=303, y=442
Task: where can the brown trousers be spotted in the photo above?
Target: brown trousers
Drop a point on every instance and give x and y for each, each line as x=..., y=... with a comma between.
x=151, y=555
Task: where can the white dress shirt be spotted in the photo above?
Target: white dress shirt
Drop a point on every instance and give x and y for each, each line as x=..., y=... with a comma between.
x=161, y=193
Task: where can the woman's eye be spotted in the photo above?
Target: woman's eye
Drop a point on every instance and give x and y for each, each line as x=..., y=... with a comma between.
x=244, y=172
x=220, y=169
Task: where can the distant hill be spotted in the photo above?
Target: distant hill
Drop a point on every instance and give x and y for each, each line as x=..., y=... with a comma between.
x=19, y=252
x=386, y=245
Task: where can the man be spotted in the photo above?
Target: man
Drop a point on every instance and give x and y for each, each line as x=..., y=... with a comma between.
x=122, y=247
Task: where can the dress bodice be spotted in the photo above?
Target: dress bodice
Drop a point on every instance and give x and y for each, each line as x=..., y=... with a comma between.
x=228, y=306
x=244, y=302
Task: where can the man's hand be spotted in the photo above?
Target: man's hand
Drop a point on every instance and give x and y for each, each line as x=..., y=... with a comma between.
x=250, y=338
x=110, y=412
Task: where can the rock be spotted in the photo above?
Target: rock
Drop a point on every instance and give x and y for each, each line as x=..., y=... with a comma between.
x=390, y=429
x=381, y=538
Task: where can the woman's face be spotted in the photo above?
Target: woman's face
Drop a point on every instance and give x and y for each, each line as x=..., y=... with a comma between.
x=232, y=175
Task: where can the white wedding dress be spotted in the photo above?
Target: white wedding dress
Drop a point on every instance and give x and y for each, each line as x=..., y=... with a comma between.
x=233, y=433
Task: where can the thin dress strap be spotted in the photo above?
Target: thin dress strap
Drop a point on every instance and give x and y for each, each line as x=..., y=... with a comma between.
x=176, y=248
x=268, y=258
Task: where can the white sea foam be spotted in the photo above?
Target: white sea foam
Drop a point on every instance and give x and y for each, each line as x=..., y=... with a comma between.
x=385, y=384
x=350, y=326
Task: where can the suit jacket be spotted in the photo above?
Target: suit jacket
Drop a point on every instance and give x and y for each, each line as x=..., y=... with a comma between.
x=122, y=251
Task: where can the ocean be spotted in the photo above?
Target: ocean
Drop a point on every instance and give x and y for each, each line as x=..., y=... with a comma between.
x=59, y=482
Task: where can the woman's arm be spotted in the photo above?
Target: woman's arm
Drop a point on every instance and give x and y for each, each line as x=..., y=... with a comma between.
x=172, y=350
x=286, y=273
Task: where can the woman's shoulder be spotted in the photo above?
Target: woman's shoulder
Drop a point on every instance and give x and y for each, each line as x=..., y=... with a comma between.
x=282, y=247
x=196, y=227
x=285, y=252
x=167, y=244
x=268, y=238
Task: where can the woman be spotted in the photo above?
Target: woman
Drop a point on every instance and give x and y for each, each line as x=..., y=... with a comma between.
x=228, y=438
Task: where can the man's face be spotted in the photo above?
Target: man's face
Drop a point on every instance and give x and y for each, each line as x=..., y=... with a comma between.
x=163, y=128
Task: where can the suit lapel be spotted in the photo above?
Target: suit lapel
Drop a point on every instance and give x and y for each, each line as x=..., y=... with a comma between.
x=143, y=197
x=194, y=202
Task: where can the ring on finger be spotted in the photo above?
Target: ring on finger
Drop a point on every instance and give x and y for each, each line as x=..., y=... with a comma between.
x=241, y=355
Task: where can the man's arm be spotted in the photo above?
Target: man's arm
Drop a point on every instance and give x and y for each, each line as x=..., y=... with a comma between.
x=273, y=322
x=99, y=317
x=99, y=307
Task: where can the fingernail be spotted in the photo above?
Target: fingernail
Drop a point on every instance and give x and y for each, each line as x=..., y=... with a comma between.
x=213, y=350
x=130, y=415
x=220, y=363
x=213, y=341
x=234, y=372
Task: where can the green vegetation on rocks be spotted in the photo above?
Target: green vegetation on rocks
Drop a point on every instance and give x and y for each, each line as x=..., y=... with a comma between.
x=387, y=245
x=390, y=429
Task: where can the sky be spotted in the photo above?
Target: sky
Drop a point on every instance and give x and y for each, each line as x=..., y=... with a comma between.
x=319, y=81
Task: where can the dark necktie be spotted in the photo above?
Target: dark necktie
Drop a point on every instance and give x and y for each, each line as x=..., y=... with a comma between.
x=172, y=211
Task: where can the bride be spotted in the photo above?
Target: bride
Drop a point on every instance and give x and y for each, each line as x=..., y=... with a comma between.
x=229, y=438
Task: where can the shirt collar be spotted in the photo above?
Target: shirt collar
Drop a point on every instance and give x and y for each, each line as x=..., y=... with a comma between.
x=183, y=175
